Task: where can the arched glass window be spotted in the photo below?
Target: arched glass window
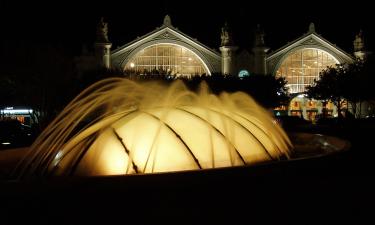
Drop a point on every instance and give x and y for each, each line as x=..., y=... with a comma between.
x=301, y=67
x=169, y=59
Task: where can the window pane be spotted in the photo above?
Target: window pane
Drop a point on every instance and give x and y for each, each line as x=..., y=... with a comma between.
x=166, y=59
x=301, y=67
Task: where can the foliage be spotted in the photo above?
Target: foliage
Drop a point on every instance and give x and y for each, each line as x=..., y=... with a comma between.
x=350, y=82
x=266, y=89
x=359, y=84
x=330, y=86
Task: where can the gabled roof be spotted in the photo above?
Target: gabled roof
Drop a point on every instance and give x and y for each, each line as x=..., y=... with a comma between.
x=161, y=30
x=167, y=34
x=312, y=39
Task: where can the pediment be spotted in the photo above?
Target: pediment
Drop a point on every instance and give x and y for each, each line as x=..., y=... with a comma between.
x=167, y=35
x=311, y=40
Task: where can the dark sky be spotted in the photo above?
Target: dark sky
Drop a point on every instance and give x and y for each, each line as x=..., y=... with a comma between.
x=72, y=23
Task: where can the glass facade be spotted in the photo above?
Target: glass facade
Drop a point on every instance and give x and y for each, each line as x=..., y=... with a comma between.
x=301, y=67
x=167, y=59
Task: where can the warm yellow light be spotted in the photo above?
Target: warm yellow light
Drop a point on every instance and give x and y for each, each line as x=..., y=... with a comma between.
x=313, y=59
x=132, y=65
x=153, y=128
x=168, y=55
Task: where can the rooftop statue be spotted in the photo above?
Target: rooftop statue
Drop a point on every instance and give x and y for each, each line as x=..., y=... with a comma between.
x=102, y=31
x=312, y=28
x=259, y=37
x=358, y=42
x=167, y=21
x=226, y=36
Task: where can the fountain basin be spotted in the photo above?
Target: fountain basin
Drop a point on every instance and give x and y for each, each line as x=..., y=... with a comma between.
x=315, y=145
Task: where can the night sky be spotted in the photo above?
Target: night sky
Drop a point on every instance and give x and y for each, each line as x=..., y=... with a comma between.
x=73, y=23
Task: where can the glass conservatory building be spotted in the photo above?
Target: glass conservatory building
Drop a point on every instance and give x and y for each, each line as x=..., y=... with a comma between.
x=300, y=62
x=303, y=66
x=168, y=59
x=168, y=51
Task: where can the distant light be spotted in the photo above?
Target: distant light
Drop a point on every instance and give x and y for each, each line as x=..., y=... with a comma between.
x=6, y=143
x=301, y=96
x=315, y=62
x=243, y=73
x=16, y=111
x=132, y=65
x=190, y=59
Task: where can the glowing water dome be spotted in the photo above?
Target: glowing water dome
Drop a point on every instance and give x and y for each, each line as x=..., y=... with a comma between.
x=119, y=127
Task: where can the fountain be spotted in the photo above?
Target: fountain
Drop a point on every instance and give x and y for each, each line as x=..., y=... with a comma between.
x=118, y=126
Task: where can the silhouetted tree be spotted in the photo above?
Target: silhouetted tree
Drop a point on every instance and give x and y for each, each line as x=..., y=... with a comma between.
x=351, y=82
x=266, y=89
x=359, y=84
x=330, y=86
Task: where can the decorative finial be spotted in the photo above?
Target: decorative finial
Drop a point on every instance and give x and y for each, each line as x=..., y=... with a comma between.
x=102, y=31
x=167, y=21
x=259, y=36
x=359, y=43
x=312, y=28
x=226, y=36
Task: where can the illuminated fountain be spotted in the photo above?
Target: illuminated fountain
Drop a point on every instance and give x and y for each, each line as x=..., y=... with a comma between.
x=117, y=127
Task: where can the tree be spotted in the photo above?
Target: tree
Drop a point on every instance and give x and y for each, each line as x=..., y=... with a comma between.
x=360, y=83
x=351, y=82
x=267, y=90
x=330, y=86
x=353, y=85
x=270, y=91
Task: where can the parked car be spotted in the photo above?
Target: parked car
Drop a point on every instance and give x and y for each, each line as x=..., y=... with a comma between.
x=14, y=134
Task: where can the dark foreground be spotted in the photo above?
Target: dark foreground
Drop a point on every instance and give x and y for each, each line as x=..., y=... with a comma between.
x=302, y=192
x=334, y=189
